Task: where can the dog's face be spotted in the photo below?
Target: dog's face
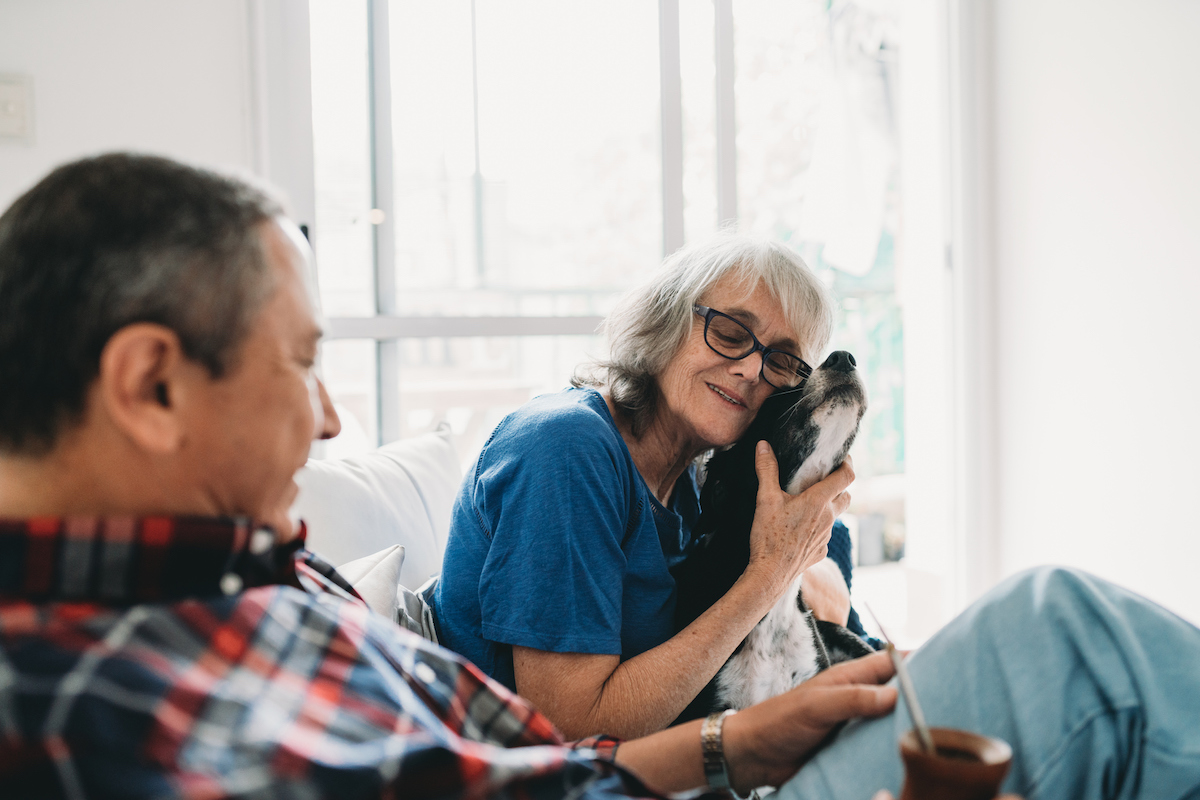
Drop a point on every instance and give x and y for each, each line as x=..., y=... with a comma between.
x=811, y=431
x=816, y=426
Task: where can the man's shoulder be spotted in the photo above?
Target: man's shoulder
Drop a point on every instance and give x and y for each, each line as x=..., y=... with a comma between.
x=215, y=645
x=155, y=650
x=272, y=665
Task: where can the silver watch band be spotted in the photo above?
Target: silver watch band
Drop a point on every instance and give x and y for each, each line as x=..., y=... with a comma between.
x=716, y=770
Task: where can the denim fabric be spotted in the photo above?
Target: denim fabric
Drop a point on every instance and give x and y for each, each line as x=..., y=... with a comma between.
x=1096, y=688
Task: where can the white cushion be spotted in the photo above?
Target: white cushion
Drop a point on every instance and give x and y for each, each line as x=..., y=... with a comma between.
x=376, y=577
x=401, y=493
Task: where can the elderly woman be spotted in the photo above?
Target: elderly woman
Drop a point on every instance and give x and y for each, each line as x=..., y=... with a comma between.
x=556, y=576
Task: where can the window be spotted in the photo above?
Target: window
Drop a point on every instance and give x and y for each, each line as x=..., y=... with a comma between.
x=492, y=174
x=459, y=177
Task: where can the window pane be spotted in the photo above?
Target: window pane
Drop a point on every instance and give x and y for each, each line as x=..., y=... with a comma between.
x=342, y=156
x=472, y=383
x=698, y=74
x=782, y=72
x=555, y=184
x=818, y=168
x=348, y=369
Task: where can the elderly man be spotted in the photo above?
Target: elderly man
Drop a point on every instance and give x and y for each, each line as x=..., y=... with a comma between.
x=163, y=631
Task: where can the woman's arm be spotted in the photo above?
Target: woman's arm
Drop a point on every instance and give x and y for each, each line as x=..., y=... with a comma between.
x=585, y=694
x=765, y=744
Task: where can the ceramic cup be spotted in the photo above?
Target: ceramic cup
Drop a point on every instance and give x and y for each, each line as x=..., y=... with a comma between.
x=967, y=767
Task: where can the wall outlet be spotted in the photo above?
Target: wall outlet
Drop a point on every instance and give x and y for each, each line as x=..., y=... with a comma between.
x=16, y=108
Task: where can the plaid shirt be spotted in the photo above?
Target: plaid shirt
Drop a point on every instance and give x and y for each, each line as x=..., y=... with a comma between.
x=192, y=657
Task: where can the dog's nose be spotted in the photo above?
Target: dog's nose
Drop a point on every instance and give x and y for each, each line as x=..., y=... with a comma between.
x=840, y=361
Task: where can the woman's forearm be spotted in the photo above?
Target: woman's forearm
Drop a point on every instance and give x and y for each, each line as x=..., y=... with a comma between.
x=587, y=694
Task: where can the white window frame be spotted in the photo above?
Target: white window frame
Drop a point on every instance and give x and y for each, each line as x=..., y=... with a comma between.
x=950, y=367
x=952, y=495
x=279, y=38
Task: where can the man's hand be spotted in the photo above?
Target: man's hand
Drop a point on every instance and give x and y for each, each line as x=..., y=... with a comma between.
x=765, y=744
x=825, y=592
x=884, y=794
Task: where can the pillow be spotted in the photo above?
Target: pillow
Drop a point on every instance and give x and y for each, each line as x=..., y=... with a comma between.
x=375, y=577
x=401, y=493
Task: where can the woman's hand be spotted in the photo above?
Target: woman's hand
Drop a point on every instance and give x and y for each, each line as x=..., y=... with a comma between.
x=791, y=532
x=825, y=592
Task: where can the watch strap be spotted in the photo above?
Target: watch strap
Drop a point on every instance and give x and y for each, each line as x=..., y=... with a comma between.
x=716, y=770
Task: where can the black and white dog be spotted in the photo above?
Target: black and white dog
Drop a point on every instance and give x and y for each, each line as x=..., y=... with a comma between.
x=811, y=431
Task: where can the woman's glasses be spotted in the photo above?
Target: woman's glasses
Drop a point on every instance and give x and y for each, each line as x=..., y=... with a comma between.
x=727, y=337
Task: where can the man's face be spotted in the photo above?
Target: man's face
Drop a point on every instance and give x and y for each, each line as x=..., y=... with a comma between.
x=252, y=430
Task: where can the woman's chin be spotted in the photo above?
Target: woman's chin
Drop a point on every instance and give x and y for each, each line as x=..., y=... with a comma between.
x=725, y=435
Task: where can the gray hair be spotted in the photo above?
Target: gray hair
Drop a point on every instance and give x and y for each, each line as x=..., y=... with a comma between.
x=651, y=322
x=105, y=242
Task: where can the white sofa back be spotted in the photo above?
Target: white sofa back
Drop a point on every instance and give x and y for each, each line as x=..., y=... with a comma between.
x=401, y=493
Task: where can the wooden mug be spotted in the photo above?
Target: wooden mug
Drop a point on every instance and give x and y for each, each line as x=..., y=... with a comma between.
x=967, y=766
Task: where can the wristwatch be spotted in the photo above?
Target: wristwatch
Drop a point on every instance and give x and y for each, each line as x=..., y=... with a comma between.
x=716, y=770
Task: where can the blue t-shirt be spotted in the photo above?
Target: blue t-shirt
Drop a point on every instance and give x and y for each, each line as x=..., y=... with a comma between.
x=556, y=542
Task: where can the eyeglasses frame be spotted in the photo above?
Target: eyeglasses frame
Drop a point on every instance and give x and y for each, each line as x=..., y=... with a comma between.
x=805, y=371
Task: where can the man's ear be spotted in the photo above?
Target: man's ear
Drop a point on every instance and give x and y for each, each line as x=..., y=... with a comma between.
x=142, y=371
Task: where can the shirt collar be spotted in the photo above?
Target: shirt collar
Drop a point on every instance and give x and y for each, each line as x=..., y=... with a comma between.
x=123, y=560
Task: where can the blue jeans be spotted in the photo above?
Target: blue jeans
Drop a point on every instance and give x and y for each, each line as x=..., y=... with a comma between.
x=1096, y=688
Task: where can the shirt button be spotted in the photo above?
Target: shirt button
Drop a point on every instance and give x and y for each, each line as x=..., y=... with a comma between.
x=231, y=583
x=261, y=541
x=425, y=673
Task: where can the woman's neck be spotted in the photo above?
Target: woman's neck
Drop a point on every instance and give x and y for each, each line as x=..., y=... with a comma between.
x=660, y=454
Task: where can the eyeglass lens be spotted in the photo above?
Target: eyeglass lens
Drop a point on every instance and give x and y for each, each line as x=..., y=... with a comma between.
x=732, y=339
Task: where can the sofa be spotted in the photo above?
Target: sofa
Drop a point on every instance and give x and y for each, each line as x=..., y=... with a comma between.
x=382, y=517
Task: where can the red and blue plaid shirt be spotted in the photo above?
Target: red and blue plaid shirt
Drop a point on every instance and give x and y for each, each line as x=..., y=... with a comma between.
x=192, y=657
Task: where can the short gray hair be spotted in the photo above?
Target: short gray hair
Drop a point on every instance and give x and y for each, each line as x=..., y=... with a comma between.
x=651, y=322
x=105, y=242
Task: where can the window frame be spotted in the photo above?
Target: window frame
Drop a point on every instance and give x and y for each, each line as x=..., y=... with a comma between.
x=949, y=267
x=386, y=327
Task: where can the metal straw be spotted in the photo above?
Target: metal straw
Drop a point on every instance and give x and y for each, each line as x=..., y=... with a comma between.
x=907, y=689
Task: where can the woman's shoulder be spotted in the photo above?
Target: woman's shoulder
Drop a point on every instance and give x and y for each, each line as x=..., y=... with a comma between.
x=560, y=422
x=564, y=442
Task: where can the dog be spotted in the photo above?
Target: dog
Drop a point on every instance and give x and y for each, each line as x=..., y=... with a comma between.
x=810, y=430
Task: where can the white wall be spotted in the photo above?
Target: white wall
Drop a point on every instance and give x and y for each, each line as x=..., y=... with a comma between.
x=1097, y=257
x=149, y=75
